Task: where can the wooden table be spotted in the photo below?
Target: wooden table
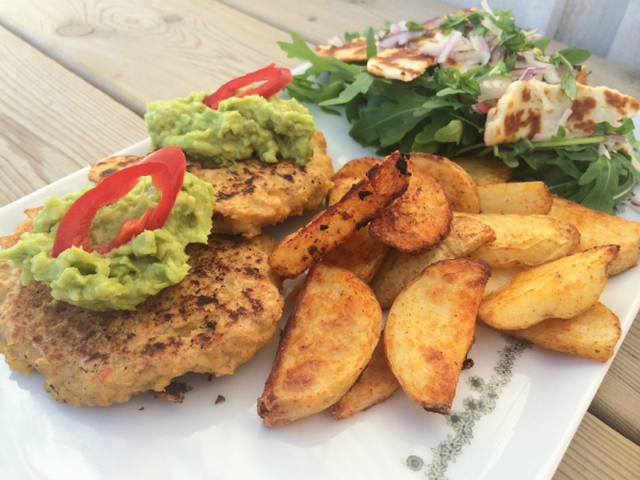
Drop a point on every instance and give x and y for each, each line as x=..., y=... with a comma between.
x=76, y=75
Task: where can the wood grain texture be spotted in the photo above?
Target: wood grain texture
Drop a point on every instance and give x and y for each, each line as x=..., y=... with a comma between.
x=597, y=453
x=138, y=51
x=57, y=126
x=617, y=402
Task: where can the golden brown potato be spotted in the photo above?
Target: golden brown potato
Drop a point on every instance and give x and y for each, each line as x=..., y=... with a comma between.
x=521, y=198
x=594, y=334
x=327, y=342
x=377, y=384
x=430, y=327
x=525, y=240
x=398, y=269
x=360, y=253
x=357, y=168
x=500, y=277
x=485, y=170
x=326, y=231
x=598, y=228
x=460, y=188
x=418, y=219
x=563, y=288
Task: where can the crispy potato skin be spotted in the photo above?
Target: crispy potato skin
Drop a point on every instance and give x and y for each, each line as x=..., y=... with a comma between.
x=525, y=240
x=460, y=188
x=593, y=334
x=598, y=228
x=361, y=253
x=327, y=342
x=330, y=228
x=417, y=220
x=376, y=385
x=430, y=328
x=398, y=269
x=563, y=288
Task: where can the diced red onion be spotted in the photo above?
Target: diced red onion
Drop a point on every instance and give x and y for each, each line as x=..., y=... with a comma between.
x=399, y=38
x=614, y=138
x=453, y=38
x=434, y=22
x=336, y=41
x=431, y=48
x=528, y=73
x=481, y=108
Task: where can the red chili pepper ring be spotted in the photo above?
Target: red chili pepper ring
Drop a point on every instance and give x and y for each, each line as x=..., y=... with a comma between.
x=166, y=168
x=275, y=79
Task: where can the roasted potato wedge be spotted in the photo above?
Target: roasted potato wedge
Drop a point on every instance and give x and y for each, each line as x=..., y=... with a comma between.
x=525, y=240
x=430, y=327
x=593, y=334
x=521, y=198
x=377, y=384
x=598, y=228
x=564, y=288
x=460, y=188
x=501, y=277
x=360, y=253
x=418, y=219
x=357, y=168
x=398, y=269
x=328, y=340
x=485, y=170
x=327, y=230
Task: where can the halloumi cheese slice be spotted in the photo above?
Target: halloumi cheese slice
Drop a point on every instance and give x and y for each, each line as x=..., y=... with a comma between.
x=400, y=64
x=533, y=107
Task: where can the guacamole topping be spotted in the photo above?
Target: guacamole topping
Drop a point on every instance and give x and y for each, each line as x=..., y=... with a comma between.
x=240, y=128
x=127, y=275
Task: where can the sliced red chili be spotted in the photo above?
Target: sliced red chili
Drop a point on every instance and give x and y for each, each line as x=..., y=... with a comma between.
x=275, y=79
x=166, y=168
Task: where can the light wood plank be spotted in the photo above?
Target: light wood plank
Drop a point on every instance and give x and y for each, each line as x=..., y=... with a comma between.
x=56, y=126
x=139, y=51
x=599, y=453
x=617, y=402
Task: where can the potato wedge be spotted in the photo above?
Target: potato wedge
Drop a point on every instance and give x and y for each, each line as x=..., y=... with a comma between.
x=430, y=327
x=501, y=277
x=360, y=253
x=485, y=170
x=525, y=240
x=327, y=230
x=418, y=219
x=398, y=269
x=460, y=188
x=357, y=168
x=328, y=340
x=377, y=384
x=598, y=228
x=521, y=198
x=564, y=288
x=593, y=334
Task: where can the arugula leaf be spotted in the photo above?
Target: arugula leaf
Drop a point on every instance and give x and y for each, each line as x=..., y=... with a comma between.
x=542, y=43
x=361, y=84
x=575, y=55
x=372, y=49
x=569, y=86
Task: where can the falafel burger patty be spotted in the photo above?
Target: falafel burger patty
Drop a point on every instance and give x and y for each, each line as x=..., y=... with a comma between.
x=253, y=194
x=217, y=318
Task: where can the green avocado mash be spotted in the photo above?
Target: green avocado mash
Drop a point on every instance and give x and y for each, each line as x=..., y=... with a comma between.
x=239, y=129
x=124, y=277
